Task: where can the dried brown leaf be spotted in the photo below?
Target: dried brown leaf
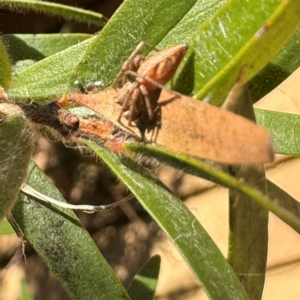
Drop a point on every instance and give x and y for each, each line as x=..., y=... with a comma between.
x=195, y=128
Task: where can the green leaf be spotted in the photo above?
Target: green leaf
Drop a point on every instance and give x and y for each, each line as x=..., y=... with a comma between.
x=67, y=12
x=66, y=247
x=184, y=162
x=201, y=12
x=288, y=57
x=285, y=130
x=248, y=220
x=149, y=22
x=100, y=58
x=15, y=153
x=285, y=62
x=5, y=67
x=195, y=245
x=236, y=36
x=248, y=238
x=198, y=168
x=39, y=46
x=50, y=76
x=145, y=281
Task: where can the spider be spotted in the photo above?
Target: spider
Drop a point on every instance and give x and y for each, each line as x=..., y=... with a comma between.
x=142, y=77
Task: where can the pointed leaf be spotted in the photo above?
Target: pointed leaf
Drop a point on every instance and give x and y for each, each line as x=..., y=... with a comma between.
x=145, y=281
x=248, y=238
x=248, y=220
x=195, y=245
x=66, y=247
x=266, y=80
x=283, y=198
x=227, y=42
x=104, y=57
x=148, y=22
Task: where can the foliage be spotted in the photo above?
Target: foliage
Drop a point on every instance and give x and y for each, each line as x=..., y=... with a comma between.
x=220, y=45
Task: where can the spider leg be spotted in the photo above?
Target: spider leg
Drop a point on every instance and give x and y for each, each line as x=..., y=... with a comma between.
x=131, y=65
x=125, y=98
x=138, y=49
x=160, y=86
x=133, y=58
x=126, y=65
x=151, y=47
x=146, y=96
x=134, y=99
x=147, y=101
x=155, y=131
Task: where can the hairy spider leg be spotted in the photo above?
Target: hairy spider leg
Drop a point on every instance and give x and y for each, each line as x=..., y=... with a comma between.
x=147, y=100
x=143, y=89
x=132, y=63
x=131, y=95
x=130, y=98
x=126, y=98
x=133, y=104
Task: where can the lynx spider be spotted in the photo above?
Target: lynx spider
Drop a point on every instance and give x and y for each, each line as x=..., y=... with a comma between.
x=150, y=74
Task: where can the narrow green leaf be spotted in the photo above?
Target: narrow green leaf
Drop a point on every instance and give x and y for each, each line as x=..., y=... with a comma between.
x=66, y=247
x=5, y=67
x=198, y=168
x=285, y=129
x=67, y=12
x=14, y=159
x=195, y=245
x=248, y=239
x=234, y=37
x=145, y=281
x=39, y=46
x=100, y=58
x=248, y=220
x=140, y=21
x=285, y=62
x=48, y=78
